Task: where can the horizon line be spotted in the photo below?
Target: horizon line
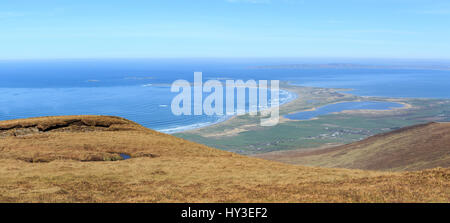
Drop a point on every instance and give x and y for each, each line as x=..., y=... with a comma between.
x=228, y=58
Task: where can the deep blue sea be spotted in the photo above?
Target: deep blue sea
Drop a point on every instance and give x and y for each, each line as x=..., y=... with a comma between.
x=139, y=89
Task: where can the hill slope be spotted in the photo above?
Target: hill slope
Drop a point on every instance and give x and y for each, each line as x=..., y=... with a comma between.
x=71, y=159
x=411, y=148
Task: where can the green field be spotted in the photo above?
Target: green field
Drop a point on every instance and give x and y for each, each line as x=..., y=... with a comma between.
x=243, y=135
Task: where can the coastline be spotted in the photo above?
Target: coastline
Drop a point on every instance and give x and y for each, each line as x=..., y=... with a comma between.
x=352, y=111
x=308, y=98
x=291, y=98
x=196, y=126
x=287, y=86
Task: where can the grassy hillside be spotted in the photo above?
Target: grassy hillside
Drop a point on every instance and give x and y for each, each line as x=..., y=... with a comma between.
x=411, y=148
x=77, y=159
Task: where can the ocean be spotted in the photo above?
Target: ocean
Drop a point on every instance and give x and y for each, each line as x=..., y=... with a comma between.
x=139, y=89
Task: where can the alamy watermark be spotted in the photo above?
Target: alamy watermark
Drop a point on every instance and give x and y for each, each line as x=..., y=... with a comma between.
x=212, y=104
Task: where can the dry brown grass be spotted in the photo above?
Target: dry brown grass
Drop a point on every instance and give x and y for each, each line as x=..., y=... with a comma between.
x=46, y=166
x=416, y=147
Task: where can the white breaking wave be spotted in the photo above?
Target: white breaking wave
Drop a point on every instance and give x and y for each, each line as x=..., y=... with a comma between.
x=285, y=97
x=192, y=126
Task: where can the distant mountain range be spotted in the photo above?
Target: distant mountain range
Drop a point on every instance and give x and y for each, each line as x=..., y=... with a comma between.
x=352, y=66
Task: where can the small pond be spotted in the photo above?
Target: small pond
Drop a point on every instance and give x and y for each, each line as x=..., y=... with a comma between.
x=124, y=156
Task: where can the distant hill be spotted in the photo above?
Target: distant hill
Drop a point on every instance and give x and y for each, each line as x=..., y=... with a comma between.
x=353, y=66
x=82, y=159
x=411, y=148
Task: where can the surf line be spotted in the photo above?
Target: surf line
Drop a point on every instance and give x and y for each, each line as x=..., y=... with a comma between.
x=213, y=103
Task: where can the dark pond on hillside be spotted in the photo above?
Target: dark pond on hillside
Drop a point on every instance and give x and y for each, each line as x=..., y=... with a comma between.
x=124, y=156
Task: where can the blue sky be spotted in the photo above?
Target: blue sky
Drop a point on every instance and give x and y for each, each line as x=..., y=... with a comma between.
x=224, y=28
